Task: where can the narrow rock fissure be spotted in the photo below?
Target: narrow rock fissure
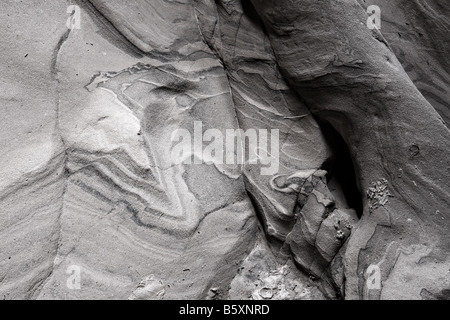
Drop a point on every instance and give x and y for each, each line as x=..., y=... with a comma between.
x=340, y=167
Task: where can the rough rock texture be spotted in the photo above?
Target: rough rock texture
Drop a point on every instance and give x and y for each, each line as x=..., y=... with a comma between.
x=393, y=132
x=87, y=175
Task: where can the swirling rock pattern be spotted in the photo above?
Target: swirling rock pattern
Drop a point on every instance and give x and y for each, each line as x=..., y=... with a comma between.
x=88, y=178
x=386, y=121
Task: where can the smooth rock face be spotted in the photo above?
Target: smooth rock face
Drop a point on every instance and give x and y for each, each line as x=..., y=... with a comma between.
x=106, y=194
x=32, y=161
x=417, y=32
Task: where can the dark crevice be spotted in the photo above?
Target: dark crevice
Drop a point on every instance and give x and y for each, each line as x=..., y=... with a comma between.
x=258, y=209
x=340, y=166
x=251, y=14
x=275, y=245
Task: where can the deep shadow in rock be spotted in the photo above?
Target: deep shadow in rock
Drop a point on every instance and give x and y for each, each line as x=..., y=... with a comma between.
x=340, y=166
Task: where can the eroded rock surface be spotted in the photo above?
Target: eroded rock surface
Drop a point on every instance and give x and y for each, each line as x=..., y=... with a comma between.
x=92, y=205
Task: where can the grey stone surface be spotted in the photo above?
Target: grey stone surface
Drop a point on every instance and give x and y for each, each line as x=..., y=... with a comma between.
x=92, y=205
